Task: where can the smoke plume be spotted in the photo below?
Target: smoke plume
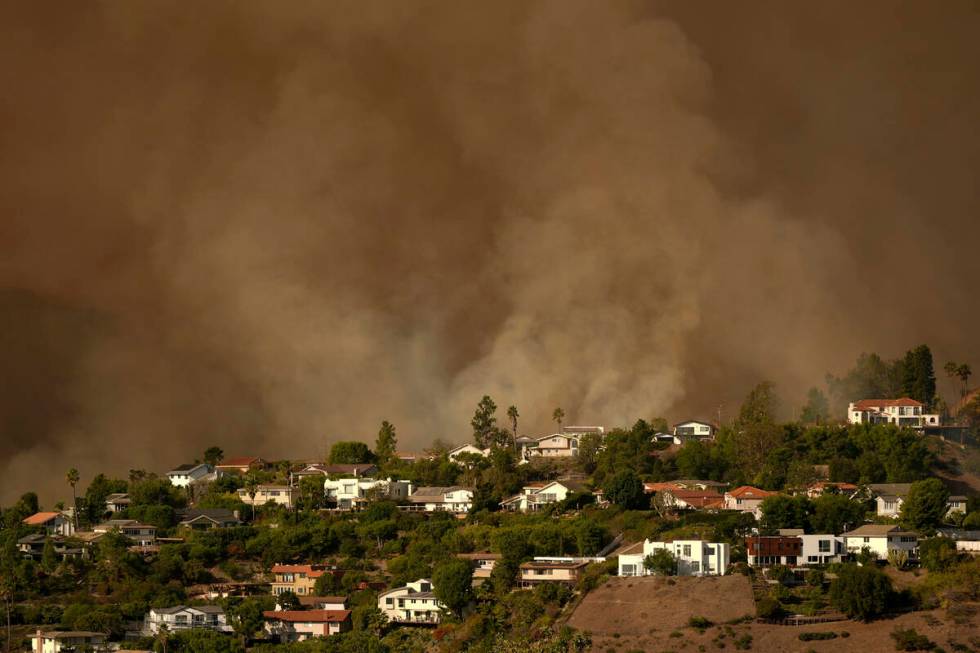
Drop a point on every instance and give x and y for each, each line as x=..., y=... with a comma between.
x=269, y=226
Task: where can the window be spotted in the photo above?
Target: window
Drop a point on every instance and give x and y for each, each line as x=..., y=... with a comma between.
x=823, y=546
x=866, y=540
x=629, y=570
x=695, y=566
x=687, y=550
x=813, y=558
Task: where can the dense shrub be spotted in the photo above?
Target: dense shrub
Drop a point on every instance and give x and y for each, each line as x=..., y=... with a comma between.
x=860, y=592
x=911, y=640
x=810, y=637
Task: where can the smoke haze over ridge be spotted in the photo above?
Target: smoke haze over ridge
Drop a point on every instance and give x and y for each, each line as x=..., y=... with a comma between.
x=269, y=226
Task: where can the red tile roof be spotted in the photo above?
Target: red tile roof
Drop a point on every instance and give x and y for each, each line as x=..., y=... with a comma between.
x=698, y=498
x=749, y=492
x=660, y=487
x=293, y=569
x=41, y=518
x=865, y=404
x=309, y=616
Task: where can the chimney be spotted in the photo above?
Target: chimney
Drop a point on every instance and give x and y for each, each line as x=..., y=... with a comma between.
x=40, y=641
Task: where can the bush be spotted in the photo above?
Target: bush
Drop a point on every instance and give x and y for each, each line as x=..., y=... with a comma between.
x=911, y=640
x=743, y=642
x=699, y=622
x=860, y=592
x=810, y=637
x=769, y=608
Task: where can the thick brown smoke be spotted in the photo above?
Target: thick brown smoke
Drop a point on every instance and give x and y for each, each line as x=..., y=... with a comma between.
x=270, y=225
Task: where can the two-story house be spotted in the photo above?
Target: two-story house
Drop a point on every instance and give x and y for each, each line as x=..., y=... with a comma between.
x=563, y=444
x=820, y=548
x=117, y=502
x=904, y=412
x=483, y=564
x=691, y=557
x=353, y=492
x=414, y=603
x=765, y=550
x=298, y=579
x=455, y=499
x=140, y=534
x=693, y=429
x=746, y=499
x=68, y=641
x=55, y=523
x=184, y=475
x=298, y=625
x=889, y=497
x=536, y=496
x=282, y=495
x=881, y=539
x=535, y=572
x=181, y=617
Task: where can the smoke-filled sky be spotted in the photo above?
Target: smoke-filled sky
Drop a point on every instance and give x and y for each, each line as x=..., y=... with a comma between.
x=271, y=225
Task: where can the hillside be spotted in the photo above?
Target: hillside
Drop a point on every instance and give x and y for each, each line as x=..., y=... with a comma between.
x=651, y=615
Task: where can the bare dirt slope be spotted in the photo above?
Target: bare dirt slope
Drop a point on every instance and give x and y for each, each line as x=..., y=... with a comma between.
x=647, y=614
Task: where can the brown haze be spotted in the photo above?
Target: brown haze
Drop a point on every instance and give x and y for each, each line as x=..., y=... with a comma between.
x=271, y=225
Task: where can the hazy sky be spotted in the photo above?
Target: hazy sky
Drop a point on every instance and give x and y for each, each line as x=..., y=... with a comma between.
x=269, y=226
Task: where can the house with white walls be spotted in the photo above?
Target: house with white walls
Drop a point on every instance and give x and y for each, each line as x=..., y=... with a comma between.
x=903, y=412
x=140, y=534
x=353, y=492
x=692, y=557
x=55, y=523
x=535, y=496
x=68, y=641
x=299, y=625
x=747, y=499
x=414, y=603
x=455, y=499
x=889, y=498
x=456, y=452
x=693, y=429
x=182, y=617
x=881, y=539
x=184, y=475
x=281, y=495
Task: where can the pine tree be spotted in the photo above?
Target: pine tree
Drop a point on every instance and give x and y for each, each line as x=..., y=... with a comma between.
x=484, y=422
x=384, y=447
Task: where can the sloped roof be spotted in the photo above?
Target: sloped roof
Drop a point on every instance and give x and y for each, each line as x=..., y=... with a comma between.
x=240, y=461
x=308, y=616
x=878, y=530
x=866, y=404
x=40, y=518
x=315, y=600
x=186, y=467
x=749, y=492
x=293, y=569
x=890, y=489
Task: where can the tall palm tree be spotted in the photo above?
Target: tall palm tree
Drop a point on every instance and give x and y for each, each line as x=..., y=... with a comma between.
x=558, y=416
x=252, y=488
x=72, y=478
x=513, y=415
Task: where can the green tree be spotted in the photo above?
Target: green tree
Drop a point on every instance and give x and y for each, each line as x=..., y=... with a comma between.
x=559, y=416
x=661, y=562
x=484, y=422
x=961, y=371
x=756, y=430
x=817, y=408
x=246, y=617
x=213, y=455
x=925, y=506
x=937, y=553
x=452, y=582
x=49, y=559
x=625, y=489
x=590, y=537
x=288, y=601
x=835, y=513
x=589, y=446
x=96, y=493
x=72, y=479
x=251, y=486
x=512, y=414
x=384, y=446
x=860, y=592
x=783, y=511
x=919, y=378
x=349, y=453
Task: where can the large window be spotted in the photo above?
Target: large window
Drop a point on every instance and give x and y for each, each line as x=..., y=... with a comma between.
x=687, y=550
x=823, y=546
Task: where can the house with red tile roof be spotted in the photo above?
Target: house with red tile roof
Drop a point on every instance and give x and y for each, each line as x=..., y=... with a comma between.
x=298, y=625
x=298, y=579
x=746, y=499
x=55, y=523
x=904, y=412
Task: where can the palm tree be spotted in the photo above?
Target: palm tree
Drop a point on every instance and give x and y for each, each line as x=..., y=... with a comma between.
x=558, y=416
x=252, y=488
x=72, y=478
x=513, y=415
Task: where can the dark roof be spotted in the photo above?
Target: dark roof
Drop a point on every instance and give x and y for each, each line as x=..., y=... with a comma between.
x=890, y=489
x=215, y=514
x=186, y=467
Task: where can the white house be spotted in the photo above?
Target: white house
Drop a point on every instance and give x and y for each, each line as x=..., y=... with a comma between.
x=881, y=539
x=821, y=548
x=904, y=412
x=282, y=495
x=746, y=499
x=889, y=497
x=565, y=571
x=536, y=496
x=956, y=503
x=483, y=564
x=693, y=430
x=455, y=452
x=563, y=444
x=184, y=475
x=349, y=493
x=454, y=499
x=55, y=523
x=140, y=534
x=693, y=557
x=117, y=502
x=180, y=617
x=415, y=603
x=70, y=641
x=298, y=625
